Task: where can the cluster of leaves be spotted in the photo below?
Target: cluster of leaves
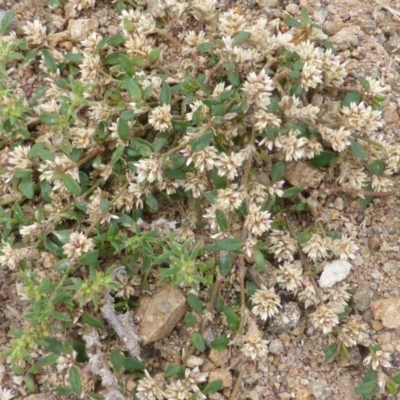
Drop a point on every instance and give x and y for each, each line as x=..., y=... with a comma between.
x=57, y=299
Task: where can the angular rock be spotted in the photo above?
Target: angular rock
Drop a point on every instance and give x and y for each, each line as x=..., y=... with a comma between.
x=219, y=357
x=223, y=374
x=276, y=347
x=298, y=173
x=80, y=29
x=354, y=358
x=388, y=311
x=334, y=272
x=346, y=38
x=320, y=389
x=266, y=277
x=363, y=298
x=287, y=319
x=160, y=314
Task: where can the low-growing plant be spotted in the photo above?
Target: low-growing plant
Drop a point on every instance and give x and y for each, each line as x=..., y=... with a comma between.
x=132, y=129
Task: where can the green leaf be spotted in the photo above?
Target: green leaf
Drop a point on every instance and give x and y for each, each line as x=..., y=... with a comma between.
x=60, y=316
x=6, y=22
x=213, y=387
x=123, y=129
x=369, y=385
x=291, y=192
x=364, y=83
x=203, y=47
x=75, y=380
x=189, y=320
x=117, y=154
x=198, y=341
x=240, y=37
x=292, y=23
x=172, y=370
x=139, y=62
x=49, y=61
x=232, y=319
x=26, y=187
x=222, y=221
x=345, y=313
x=133, y=364
x=92, y=321
x=126, y=64
x=277, y=171
x=89, y=258
x=116, y=40
x=49, y=118
x=305, y=17
x=330, y=351
x=201, y=142
x=304, y=237
x=391, y=386
x=396, y=378
x=322, y=159
x=220, y=182
x=152, y=202
x=71, y=184
x=30, y=384
x=74, y=57
x=63, y=235
x=378, y=167
x=357, y=149
x=154, y=55
x=133, y=89
x=230, y=244
x=165, y=95
x=366, y=201
x=259, y=259
x=117, y=360
x=224, y=262
x=220, y=343
x=351, y=97
x=194, y=303
x=48, y=360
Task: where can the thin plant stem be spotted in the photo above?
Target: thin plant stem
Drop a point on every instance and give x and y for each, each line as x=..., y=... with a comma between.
x=236, y=389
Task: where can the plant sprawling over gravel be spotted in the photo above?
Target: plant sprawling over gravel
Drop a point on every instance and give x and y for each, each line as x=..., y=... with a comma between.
x=159, y=154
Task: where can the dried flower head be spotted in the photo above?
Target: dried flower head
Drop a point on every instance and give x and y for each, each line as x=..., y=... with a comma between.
x=324, y=318
x=257, y=222
x=150, y=388
x=160, y=118
x=354, y=332
x=266, y=303
x=282, y=245
x=315, y=247
x=35, y=32
x=377, y=359
x=254, y=346
x=78, y=245
x=289, y=276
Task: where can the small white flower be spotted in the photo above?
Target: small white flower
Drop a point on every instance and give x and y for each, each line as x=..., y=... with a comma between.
x=78, y=245
x=289, y=276
x=160, y=118
x=266, y=303
x=324, y=318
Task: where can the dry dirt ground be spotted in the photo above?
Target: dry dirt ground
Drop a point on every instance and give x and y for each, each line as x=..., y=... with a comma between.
x=368, y=37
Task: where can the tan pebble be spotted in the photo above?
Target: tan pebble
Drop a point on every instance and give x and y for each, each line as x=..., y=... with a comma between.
x=219, y=357
x=130, y=386
x=304, y=394
x=223, y=374
x=376, y=325
x=66, y=45
x=374, y=243
x=398, y=346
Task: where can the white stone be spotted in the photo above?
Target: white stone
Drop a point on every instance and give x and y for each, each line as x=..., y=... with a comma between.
x=334, y=272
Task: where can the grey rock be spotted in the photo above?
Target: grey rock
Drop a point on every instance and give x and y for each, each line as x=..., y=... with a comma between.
x=363, y=298
x=287, y=319
x=366, y=23
x=320, y=389
x=388, y=311
x=346, y=38
x=354, y=358
x=266, y=277
x=298, y=173
x=276, y=347
x=80, y=29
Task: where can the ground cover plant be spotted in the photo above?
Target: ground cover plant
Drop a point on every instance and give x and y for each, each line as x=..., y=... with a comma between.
x=158, y=155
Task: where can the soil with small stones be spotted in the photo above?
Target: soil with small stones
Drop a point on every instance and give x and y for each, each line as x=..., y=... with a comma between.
x=367, y=34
